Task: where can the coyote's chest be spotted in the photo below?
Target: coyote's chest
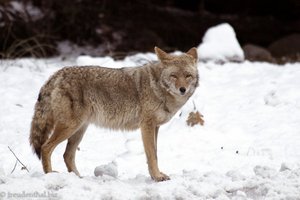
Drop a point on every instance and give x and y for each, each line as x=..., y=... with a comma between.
x=167, y=111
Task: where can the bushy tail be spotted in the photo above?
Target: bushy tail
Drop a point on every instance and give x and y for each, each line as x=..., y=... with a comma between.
x=41, y=126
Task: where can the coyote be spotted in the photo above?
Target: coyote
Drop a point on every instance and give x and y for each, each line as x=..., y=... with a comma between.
x=128, y=98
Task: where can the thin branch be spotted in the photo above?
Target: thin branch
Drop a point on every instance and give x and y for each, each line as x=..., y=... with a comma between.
x=12, y=171
x=24, y=167
x=194, y=105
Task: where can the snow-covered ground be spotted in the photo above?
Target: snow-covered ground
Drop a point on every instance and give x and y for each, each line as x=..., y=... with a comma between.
x=248, y=148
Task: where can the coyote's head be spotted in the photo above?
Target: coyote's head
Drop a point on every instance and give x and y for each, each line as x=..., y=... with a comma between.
x=179, y=72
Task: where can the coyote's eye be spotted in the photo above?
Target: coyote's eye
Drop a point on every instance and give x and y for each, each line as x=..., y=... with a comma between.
x=173, y=76
x=188, y=76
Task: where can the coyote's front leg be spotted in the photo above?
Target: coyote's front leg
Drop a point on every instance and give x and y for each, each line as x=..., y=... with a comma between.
x=148, y=134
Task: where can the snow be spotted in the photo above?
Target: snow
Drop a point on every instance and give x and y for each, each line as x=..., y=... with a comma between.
x=26, y=9
x=220, y=44
x=110, y=169
x=72, y=50
x=248, y=148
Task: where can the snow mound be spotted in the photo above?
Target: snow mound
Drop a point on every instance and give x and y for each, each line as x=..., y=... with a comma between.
x=220, y=44
x=111, y=169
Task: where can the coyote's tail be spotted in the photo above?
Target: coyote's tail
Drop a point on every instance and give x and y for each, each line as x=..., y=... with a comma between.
x=41, y=125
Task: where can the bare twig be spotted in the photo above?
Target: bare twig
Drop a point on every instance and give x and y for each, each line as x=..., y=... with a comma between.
x=24, y=167
x=12, y=171
x=194, y=105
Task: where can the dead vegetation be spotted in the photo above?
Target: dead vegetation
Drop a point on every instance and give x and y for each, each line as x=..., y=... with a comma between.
x=195, y=118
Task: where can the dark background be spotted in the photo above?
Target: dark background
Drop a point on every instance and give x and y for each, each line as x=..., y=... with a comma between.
x=124, y=27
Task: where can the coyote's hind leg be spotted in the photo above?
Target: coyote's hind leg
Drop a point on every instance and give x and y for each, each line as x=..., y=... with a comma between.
x=70, y=152
x=61, y=132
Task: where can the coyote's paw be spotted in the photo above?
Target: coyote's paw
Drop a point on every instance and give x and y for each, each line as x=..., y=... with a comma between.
x=160, y=177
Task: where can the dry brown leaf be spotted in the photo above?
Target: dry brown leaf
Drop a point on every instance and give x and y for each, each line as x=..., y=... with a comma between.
x=195, y=118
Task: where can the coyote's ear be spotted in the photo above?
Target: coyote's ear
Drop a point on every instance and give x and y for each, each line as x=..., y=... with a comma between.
x=193, y=52
x=161, y=54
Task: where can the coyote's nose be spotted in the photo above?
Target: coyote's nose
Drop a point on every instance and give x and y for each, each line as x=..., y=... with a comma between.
x=182, y=90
